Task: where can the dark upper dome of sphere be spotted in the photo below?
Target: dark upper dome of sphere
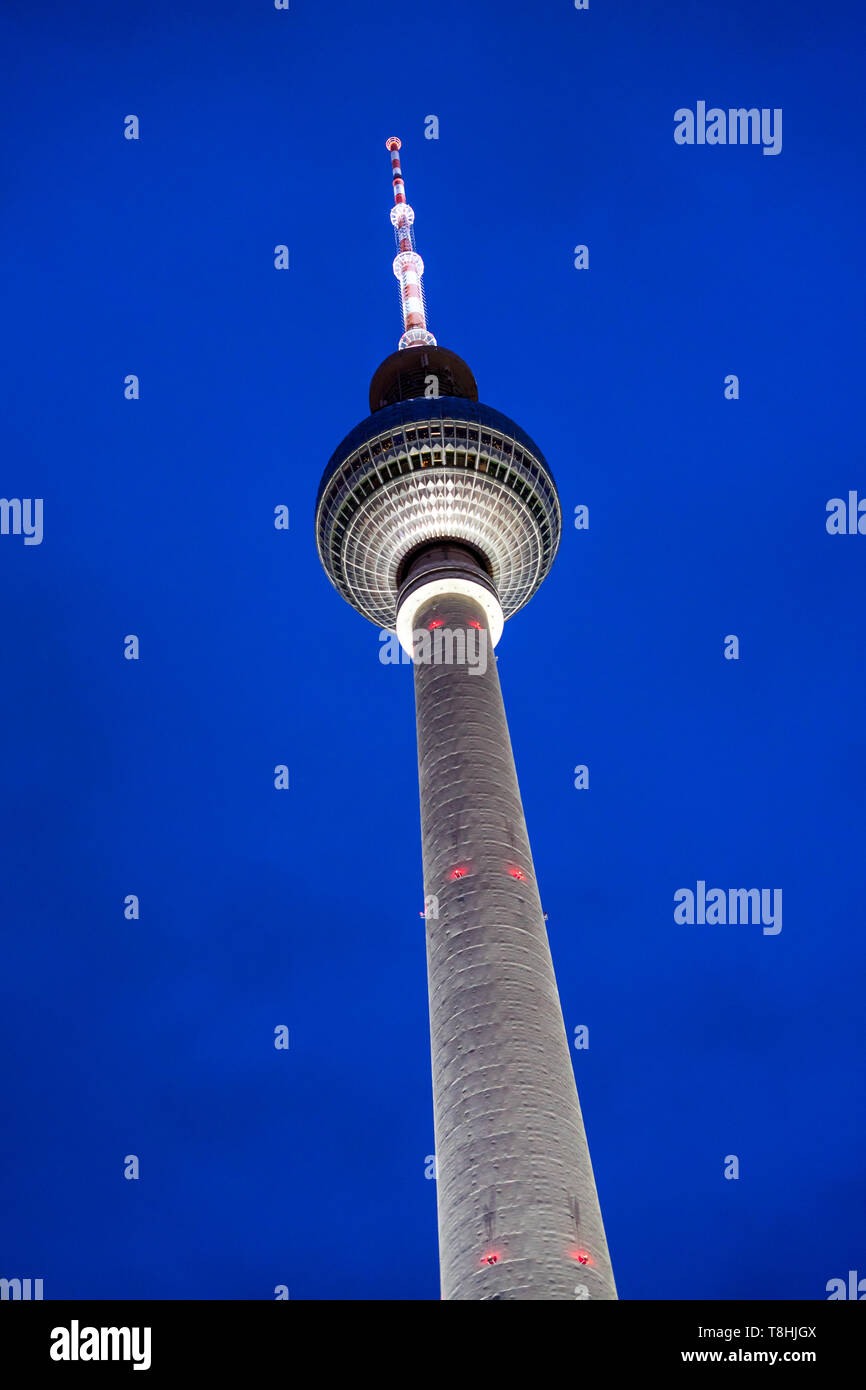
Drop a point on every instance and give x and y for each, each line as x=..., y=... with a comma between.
x=408, y=373
x=429, y=469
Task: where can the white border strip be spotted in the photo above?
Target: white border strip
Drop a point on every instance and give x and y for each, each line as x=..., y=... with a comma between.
x=435, y=588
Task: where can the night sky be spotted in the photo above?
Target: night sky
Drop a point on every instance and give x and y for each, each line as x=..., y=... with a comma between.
x=261, y=907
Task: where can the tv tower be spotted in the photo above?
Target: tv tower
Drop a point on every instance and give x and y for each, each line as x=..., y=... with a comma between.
x=437, y=518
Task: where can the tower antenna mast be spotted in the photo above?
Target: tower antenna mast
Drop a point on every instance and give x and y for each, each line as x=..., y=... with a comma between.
x=408, y=265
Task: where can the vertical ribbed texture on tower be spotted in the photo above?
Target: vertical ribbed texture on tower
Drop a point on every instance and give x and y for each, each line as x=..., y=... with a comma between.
x=518, y=1210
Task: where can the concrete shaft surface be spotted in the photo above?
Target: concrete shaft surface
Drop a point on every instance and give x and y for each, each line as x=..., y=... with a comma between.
x=515, y=1180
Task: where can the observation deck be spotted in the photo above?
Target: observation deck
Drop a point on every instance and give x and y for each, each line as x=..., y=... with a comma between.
x=426, y=470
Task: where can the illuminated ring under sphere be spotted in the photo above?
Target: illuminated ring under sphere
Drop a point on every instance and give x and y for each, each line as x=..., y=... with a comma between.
x=427, y=470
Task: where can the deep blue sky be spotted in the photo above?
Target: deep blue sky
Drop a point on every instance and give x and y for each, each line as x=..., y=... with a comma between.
x=707, y=517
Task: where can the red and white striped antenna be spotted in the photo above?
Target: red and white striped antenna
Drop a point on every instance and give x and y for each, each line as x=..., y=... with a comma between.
x=408, y=265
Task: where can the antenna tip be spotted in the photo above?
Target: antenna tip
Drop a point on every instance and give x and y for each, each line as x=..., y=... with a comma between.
x=393, y=143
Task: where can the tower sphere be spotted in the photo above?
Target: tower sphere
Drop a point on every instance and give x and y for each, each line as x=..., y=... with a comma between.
x=425, y=470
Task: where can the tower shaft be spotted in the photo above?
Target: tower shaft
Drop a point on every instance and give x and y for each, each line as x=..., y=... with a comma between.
x=519, y=1216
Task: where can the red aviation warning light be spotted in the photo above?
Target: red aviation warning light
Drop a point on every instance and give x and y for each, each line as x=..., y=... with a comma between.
x=408, y=265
